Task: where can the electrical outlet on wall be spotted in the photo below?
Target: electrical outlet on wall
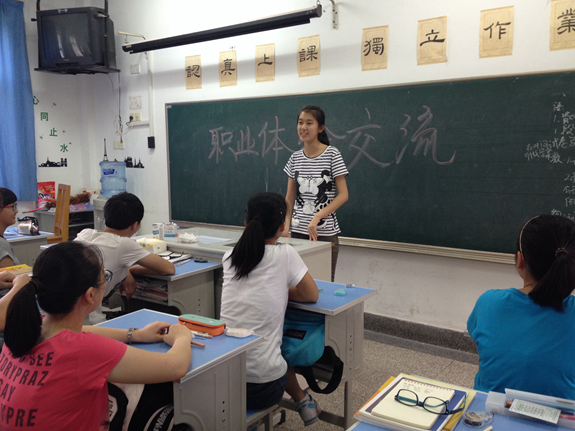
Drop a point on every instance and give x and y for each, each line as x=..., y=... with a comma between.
x=136, y=116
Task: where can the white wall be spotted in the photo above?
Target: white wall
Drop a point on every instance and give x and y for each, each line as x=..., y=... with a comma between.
x=426, y=289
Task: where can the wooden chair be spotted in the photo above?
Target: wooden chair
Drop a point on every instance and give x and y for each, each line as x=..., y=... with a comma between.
x=62, y=216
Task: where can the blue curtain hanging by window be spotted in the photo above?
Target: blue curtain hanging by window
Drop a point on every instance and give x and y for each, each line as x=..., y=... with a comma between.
x=17, y=146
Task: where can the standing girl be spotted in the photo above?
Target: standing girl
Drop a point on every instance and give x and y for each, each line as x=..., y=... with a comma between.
x=316, y=184
x=525, y=336
x=260, y=276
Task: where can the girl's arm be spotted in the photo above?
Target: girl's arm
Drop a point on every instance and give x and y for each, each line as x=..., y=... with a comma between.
x=152, y=333
x=141, y=366
x=340, y=199
x=17, y=284
x=305, y=291
x=290, y=200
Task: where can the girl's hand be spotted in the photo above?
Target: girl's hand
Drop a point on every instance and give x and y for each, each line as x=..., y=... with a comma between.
x=152, y=333
x=177, y=331
x=312, y=229
x=6, y=278
x=285, y=233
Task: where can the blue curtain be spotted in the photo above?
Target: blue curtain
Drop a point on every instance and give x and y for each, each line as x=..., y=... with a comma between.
x=17, y=147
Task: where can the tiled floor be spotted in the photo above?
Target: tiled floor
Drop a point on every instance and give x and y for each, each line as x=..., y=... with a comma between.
x=387, y=356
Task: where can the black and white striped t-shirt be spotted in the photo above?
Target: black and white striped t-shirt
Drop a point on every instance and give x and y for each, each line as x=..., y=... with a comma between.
x=315, y=188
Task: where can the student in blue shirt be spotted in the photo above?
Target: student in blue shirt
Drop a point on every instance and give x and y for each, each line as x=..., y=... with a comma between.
x=525, y=336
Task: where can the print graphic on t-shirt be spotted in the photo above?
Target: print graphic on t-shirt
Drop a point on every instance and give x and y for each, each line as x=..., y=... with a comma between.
x=317, y=187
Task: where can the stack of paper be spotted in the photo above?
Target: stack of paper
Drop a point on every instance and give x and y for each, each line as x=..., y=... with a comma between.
x=383, y=410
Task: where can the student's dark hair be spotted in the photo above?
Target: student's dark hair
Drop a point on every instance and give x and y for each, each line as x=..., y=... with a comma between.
x=7, y=197
x=319, y=115
x=264, y=215
x=123, y=210
x=547, y=243
x=61, y=274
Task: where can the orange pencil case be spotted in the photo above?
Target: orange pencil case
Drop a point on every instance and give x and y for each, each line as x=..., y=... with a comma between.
x=202, y=324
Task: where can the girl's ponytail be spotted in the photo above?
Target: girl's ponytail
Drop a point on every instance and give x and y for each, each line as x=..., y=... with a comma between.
x=264, y=215
x=23, y=321
x=547, y=243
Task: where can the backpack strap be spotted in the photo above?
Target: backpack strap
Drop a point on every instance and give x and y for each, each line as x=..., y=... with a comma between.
x=328, y=357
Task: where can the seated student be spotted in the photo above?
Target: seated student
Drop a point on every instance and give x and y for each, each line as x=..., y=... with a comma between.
x=8, y=211
x=525, y=336
x=62, y=367
x=123, y=213
x=260, y=276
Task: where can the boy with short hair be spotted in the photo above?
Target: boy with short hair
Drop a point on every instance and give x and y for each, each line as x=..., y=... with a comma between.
x=123, y=213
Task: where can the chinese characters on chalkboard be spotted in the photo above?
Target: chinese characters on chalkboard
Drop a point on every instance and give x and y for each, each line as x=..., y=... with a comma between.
x=558, y=150
x=358, y=140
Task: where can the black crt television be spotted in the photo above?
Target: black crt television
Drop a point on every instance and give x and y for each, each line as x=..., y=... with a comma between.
x=76, y=40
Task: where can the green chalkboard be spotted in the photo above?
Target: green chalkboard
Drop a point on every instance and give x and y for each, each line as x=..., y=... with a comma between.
x=457, y=164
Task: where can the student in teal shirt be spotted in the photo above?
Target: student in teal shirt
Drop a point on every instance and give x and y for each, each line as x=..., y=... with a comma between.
x=526, y=337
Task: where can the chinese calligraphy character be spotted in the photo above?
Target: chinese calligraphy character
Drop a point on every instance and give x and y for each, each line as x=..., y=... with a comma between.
x=43, y=116
x=227, y=67
x=53, y=132
x=362, y=151
x=309, y=54
x=435, y=39
x=265, y=61
x=36, y=101
x=276, y=143
x=567, y=21
x=241, y=145
x=226, y=138
x=377, y=47
x=193, y=71
x=63, y=148
x=422, y=141
x=502, y=30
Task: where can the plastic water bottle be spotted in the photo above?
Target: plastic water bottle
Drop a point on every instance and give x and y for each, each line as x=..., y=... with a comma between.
x=113, y=178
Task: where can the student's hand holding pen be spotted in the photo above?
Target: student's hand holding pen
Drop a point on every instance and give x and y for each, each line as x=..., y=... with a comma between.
x=6, y=278
x=176, y=332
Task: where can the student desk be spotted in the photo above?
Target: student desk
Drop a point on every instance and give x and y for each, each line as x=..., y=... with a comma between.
x=500, y=422
x=190, y=289
x=344, y=333
x=26, y=247
x=212, y=395
x=315, y=254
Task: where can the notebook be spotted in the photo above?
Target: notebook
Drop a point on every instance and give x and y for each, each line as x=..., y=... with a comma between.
x=416, y=416
x=443, y=423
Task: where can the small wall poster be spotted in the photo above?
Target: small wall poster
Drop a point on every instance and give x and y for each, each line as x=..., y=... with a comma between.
x=228, y=69
x=374, y=46
x=496, y=32
x=432, y=41
x=308, y=56
x=265, y=62
x=193, y=72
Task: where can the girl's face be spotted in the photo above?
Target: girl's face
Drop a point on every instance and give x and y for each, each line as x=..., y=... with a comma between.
x=8, y=215
x=308, y=128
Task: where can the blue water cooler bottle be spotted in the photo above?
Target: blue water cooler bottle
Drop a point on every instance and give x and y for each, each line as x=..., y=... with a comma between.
x=113, y=178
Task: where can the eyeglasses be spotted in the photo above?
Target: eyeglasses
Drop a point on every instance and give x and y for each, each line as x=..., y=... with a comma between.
x=431, y=404
x=14, y=207
x=107, y=276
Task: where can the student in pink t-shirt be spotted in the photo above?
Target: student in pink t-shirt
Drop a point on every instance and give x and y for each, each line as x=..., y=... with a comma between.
x=53, y=371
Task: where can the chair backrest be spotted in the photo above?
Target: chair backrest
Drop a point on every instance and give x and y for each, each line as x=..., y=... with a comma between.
x=62, y=216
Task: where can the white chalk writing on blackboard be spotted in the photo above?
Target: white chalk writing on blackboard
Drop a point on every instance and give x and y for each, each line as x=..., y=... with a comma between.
x=425, y=139
x=558, y=150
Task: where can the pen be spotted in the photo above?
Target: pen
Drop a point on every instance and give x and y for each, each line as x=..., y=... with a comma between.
x=182, y=262
x=195, y=343
x=488, y=429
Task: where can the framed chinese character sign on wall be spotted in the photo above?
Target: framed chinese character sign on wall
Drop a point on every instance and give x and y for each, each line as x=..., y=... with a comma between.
x=432, y=41
x=496, y=32
x=562, y=25
x=374, y=47
x=228, y=68
x=308, y=56
x=265, y=62
x=193, y=72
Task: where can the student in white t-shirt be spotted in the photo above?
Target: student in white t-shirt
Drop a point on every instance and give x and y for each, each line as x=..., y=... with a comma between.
x=260, y=276
x=123, y=256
